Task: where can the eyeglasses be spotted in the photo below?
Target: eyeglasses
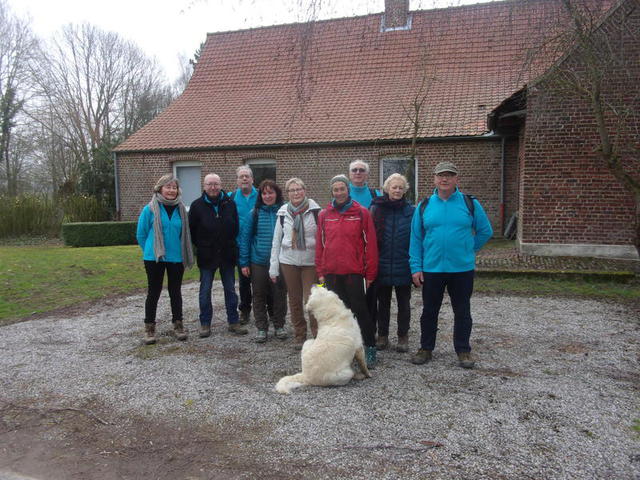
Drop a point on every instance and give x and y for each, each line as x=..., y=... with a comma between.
x=358, y=170
x=295, y=190
x=446, y=174
x=212, y=184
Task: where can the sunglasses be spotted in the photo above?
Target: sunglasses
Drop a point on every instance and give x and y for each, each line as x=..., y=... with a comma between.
x=358, y=170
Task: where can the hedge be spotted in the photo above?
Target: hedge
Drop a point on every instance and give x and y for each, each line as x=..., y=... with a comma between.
x=97, y=234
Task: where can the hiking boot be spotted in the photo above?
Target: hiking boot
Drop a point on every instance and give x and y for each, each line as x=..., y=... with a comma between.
x=149, y=333
x=421, y=356
x=245, y=317
x=261, y=336
x=370, y=356
x=281, y=333
x=205, y=331
x=237, y=329
x=403, y=344
x=178, y=329
x=382, y=343
x=465, y=360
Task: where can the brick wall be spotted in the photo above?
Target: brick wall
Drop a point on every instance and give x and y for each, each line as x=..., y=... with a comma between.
x=478, y=161
x=568, y=195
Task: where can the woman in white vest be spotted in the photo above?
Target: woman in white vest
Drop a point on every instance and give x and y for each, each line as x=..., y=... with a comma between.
x=293, y=254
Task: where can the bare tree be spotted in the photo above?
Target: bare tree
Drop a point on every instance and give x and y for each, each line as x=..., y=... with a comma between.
x=94, y=89
x=17, y=45
x=600, y=69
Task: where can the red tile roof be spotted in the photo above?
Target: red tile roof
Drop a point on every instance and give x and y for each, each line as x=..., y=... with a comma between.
x=344, y=80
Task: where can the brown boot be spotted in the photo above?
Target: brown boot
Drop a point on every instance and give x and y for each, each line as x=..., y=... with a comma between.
x=149, y=333
x=382, y=343
x=179, y=330
x=403, y=344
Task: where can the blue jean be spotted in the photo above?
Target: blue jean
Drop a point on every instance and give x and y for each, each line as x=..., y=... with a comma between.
x=230, y=297
x=460, y=287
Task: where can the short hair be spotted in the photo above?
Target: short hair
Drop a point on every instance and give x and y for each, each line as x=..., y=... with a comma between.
x=359, y=162
x=244, y=167
x=268, y=183
x=391, y=178
x=163, y=180
x=295, y=180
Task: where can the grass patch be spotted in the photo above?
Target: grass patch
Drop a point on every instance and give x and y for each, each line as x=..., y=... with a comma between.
x=558, y=286
x=38, y=279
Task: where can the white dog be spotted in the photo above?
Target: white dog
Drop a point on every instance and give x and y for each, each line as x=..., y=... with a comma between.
x=327, y=359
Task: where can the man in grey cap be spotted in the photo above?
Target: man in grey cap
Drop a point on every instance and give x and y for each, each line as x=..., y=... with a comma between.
x=447, y=229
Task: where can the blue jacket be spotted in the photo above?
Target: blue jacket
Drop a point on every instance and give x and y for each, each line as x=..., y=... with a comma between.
x=255, y=246
x=393, y=231
x=244, y=205
x=446, y=237
x=362, y=195
x=171, y=232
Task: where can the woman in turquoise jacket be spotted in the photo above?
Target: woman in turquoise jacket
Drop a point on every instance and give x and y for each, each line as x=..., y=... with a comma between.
x=163, y=235
x=256, y=237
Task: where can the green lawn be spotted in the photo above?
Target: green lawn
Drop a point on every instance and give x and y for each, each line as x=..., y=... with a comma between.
x=36, y=279
x=41, y=278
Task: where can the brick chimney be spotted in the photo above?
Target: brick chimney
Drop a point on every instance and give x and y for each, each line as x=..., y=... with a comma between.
x=396, y=15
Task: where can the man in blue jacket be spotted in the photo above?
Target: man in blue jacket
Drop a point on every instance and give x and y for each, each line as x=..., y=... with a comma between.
x=359, y=189
x=245, y=199
x=445, y=236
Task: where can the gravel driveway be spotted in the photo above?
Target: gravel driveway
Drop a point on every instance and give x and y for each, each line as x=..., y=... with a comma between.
x=555, y=394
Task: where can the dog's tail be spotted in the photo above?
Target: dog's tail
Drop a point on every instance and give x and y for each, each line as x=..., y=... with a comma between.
x=286, y=384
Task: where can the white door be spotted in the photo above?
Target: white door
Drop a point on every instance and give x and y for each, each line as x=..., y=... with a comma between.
x=189, y=176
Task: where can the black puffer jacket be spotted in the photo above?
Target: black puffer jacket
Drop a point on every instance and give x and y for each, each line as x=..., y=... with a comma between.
x=393, y=231
x=214, y=232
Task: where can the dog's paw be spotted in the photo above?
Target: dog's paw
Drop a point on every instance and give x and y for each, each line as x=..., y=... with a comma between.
x=361, y=375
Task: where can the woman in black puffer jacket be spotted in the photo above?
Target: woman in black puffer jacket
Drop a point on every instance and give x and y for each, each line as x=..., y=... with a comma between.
x=392, y=216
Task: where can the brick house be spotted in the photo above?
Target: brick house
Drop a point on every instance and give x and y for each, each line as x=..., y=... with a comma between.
x=307, y=99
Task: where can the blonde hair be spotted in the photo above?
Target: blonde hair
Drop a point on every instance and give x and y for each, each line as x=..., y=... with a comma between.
x=391, y=178
x=163, y=180
x=295, y=180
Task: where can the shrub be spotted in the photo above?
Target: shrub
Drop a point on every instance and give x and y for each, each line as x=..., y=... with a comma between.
x=41, y=215
x=96, y=234
x=29, y=214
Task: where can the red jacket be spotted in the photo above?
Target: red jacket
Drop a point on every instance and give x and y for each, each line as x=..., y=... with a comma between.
x=346, y=242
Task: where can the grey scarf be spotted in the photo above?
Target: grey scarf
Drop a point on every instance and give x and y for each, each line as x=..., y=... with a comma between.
x=297, y=232
x=158, y=238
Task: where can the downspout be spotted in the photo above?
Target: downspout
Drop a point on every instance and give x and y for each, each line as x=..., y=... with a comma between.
x=116, y=184
x=503, y=149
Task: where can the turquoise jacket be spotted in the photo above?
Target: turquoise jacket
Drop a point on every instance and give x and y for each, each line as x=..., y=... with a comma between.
x=171, y=232
x=244, y=205
x=362, y=195
x=255, y=246
x=446, y=237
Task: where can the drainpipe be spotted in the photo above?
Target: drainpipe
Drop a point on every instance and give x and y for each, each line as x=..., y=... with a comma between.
x=502, y=179
x=116, y=183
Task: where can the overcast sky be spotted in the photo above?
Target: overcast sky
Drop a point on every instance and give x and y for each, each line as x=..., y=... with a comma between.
x=169, y=28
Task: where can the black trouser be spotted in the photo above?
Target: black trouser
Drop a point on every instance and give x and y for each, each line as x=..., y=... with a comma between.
x=246, y=298
x=460, y=287
x=155, y=276
x=403, y=297
x=351, y=290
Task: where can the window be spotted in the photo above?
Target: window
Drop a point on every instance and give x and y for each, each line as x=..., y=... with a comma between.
x=188, y=173
x=405, y=166
x=262, y=169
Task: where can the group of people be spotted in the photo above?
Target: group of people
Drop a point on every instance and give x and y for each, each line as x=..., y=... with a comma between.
x=363, y=245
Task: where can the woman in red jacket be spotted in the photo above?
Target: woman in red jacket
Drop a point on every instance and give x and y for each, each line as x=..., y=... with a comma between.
x=347, y=256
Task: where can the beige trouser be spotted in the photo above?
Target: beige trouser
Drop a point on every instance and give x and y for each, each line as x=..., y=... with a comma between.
x=299, y=281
